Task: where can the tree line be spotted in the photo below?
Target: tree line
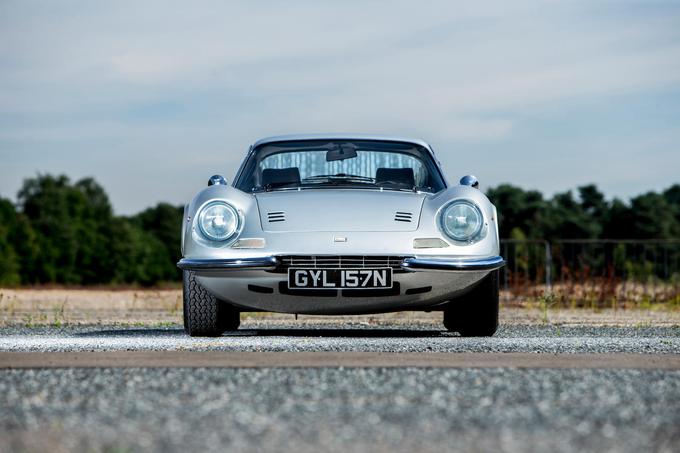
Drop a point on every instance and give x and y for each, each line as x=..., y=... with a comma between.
x=64, y=232
x=586, y=214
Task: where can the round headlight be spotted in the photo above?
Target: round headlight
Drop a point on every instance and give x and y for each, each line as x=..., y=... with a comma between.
x=462, y=221
x=218, y=221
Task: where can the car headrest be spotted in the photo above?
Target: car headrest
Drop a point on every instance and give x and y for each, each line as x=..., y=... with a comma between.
x=280, y=176
x=399, y=175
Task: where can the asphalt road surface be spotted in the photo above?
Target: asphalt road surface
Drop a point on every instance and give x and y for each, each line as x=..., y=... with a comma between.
x=348, y=387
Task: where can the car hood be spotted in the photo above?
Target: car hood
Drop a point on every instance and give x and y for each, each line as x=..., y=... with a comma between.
x=339, y=210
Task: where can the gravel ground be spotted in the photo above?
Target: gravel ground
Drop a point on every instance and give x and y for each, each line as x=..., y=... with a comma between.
x=417, y=337
x=335, y=409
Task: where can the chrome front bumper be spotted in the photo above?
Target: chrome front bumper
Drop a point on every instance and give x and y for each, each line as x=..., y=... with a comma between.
x=260, y=283
x=413, y=264
x=263, y=263
x=457, y=264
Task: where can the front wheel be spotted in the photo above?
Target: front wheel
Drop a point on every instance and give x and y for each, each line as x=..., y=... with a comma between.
x=475, y=314
x=204, y=314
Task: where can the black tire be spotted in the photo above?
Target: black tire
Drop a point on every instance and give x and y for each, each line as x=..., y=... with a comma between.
x=475, y=314
x=204, y=314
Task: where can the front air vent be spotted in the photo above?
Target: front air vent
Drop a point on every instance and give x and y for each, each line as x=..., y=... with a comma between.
x=276, y=216
x=403, y=216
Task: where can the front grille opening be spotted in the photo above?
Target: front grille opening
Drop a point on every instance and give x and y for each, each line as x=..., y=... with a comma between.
x=424, y=289
x=260, y=289
x=339, y=261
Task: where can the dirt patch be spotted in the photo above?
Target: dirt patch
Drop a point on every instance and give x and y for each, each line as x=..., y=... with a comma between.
x=164, y=307
x=83, y=306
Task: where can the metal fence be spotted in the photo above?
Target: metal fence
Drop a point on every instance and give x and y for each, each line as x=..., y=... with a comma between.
x=592, y=272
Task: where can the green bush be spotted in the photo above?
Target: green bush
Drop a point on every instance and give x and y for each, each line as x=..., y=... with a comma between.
x=66, y=233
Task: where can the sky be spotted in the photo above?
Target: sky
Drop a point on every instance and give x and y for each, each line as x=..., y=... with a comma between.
x=151, y=98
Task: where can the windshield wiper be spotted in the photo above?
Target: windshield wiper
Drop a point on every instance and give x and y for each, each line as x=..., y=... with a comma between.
x=339, y=176
x=279, y=185
x=395, y=185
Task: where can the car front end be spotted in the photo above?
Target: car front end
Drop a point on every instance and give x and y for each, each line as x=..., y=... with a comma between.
x=407, y=232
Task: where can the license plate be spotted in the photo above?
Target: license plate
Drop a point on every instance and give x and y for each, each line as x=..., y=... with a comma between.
x=299, y=278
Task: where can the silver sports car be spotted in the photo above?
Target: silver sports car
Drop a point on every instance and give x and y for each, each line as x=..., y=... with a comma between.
x=337, y=224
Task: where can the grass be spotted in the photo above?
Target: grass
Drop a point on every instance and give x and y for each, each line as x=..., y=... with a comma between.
x=58, y=313
x=546, y=302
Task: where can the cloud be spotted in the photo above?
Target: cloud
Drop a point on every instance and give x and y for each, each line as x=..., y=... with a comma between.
x=196, y=83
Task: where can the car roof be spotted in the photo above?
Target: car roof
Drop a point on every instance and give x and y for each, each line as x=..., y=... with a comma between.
x=294, y=137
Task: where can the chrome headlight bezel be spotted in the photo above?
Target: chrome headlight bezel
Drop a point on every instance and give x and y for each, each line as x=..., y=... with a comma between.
x=203, y=210
x=480, y=230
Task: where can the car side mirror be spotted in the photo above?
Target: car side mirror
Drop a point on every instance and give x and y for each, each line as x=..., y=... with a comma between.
x=469, y=180
x=217, y=180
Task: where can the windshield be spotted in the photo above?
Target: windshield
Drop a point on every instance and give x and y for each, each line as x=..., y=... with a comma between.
x=340, y=164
